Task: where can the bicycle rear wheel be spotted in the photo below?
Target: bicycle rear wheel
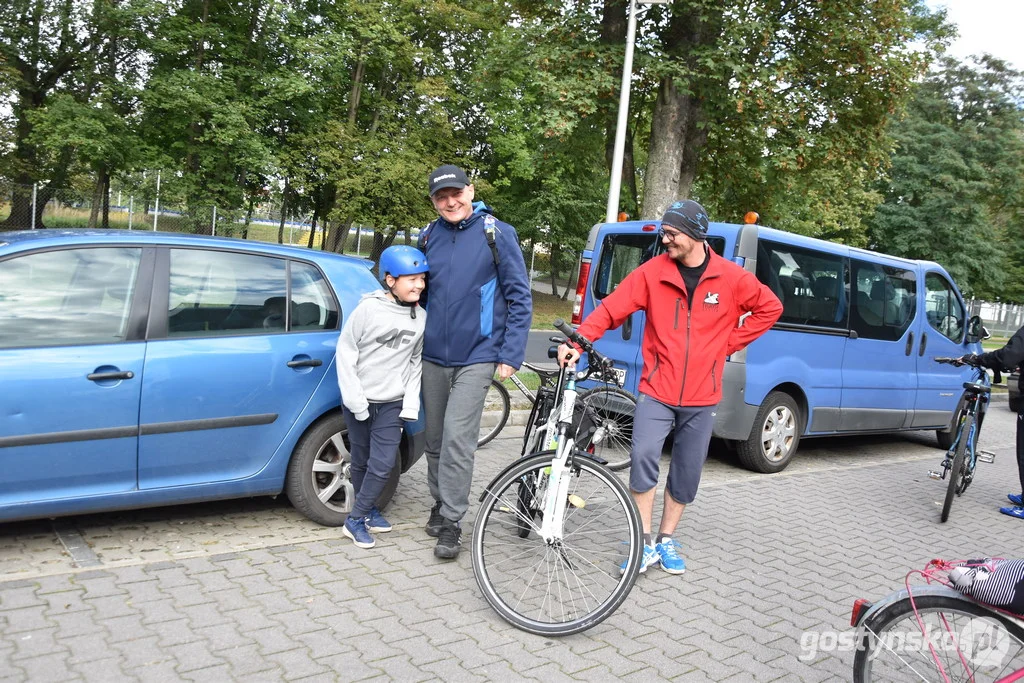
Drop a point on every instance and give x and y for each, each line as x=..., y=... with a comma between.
x=497, y=407
x=970, y=642
x=566, y=586
x=956, y=468
x=605, y=427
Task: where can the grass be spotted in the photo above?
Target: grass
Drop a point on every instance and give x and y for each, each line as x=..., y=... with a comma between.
x=547, y=307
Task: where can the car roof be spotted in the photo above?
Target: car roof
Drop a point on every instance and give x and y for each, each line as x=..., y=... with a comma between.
x=34, y=239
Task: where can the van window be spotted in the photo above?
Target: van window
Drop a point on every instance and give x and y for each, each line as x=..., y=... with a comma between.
x=622, y=254
x=943, y=309
x=884, y=300
x=810, y=284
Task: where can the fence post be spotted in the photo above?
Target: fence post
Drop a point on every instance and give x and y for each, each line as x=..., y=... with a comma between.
x=213, y=226
x=34, y=185
x=131, y=208
x=156, y=205
x=359, y=234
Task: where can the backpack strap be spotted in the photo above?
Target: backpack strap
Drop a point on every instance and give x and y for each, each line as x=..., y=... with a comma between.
x=489, y=229
x=421, y=239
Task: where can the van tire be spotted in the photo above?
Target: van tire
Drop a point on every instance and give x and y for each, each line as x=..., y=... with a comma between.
x=325, y=444
x=778, y=426
x=947, y=436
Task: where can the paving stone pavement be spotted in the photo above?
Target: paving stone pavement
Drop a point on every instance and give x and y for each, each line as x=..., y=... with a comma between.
x=249, y=590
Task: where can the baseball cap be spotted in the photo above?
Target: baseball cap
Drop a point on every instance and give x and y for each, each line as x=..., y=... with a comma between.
x=689, y=217
x=446, y=176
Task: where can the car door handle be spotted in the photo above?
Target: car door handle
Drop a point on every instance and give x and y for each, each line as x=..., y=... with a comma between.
x=102, y=376
x=910, y=343
x=924, y=343
x=307, y=363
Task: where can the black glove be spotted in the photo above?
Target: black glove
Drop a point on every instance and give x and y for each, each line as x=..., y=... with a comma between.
x=969, y=359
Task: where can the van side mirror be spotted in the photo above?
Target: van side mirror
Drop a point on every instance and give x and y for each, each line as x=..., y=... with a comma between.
x=975, y=330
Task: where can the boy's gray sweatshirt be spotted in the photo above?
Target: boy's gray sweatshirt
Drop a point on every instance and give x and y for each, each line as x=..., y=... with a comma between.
x=380, y=354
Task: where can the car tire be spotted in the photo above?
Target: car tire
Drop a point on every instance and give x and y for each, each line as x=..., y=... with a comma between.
x=779, y=423
x=325, y=446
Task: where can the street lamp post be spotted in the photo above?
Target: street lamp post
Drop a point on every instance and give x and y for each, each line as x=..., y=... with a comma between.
x=615, y=184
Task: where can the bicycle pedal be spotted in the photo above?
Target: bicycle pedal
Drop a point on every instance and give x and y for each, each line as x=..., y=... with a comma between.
x=934, y=475
x=985, y=456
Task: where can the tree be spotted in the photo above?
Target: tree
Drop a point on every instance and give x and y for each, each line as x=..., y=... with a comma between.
x=955, y=192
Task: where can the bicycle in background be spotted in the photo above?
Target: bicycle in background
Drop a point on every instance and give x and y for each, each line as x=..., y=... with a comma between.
x=963, y=455
x=603, y=417
x=557, y=540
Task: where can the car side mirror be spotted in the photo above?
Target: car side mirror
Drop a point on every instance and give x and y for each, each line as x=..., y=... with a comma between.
x=975, y=330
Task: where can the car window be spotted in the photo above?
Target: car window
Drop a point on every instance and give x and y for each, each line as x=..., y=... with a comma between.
x=65, y=297
x=942, y=307
x=313, y=305
x=884, y=300
x=216, y=293
x=809, y=283
x=621, y=254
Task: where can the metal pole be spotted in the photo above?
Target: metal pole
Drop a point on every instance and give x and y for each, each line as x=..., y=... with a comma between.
x=156, y=205
x=213, y=226
x=131, y=210
x=615, y=183
x=359, y=234
x=533, y=257
x=34, y=185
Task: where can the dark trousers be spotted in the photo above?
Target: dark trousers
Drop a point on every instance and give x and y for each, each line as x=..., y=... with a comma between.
x=373, y=444
x=1020, y=450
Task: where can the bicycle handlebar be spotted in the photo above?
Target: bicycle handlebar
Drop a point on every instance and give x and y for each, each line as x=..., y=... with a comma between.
x=969, y=360
x=597, y=360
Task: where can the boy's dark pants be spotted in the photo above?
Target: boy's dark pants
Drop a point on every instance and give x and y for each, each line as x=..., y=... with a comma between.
x=373, y=444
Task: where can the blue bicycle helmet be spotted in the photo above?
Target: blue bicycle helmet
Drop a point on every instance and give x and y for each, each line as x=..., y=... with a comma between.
x=402, y=260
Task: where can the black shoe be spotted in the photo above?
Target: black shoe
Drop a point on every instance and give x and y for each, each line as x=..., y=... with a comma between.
x=448, y=544
x=435, y=521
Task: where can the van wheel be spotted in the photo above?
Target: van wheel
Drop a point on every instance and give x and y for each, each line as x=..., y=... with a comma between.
x=947, y=436
x=775, y=435
x=319, y=483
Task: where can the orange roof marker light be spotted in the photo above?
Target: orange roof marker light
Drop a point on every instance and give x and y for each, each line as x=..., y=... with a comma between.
x=751, y=218
x=623, y=217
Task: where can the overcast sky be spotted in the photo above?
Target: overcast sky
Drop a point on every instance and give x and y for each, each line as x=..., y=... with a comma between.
x=992, y=26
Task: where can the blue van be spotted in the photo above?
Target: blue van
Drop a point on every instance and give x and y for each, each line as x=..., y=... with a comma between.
x=851, y=354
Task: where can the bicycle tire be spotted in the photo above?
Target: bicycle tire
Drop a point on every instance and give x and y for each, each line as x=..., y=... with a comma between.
x=884, y=652
x=954, y=469
x=566, y=587
x=497, y=407
x=615, y=409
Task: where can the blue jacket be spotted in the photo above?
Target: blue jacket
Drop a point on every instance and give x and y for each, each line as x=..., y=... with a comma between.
x=476, y=312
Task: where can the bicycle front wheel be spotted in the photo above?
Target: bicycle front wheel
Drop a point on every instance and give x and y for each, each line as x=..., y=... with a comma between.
x=570, y=584
x=605, y=427
x=497, y=407
x=956, y=468
x=969, y=642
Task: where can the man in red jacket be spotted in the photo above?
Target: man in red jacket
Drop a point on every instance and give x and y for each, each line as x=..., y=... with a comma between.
x=694, y=299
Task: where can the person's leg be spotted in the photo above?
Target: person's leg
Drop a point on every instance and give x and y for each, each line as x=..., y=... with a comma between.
x=690, y=443
x=689, y=452
x=358, y=446
x=1020, y=450
x=385, y=435
x=652, y=423
x=436, y=388
x=460, y=434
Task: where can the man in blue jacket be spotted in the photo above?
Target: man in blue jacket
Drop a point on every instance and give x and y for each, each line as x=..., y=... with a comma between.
x=479, y=310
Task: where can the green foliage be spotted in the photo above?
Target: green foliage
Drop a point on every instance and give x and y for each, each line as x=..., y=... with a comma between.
x=955, y=193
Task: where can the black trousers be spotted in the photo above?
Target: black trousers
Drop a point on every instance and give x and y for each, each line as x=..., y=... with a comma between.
x=1020, y=449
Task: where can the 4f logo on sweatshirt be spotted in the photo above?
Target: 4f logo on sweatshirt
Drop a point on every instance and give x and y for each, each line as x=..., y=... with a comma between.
x=395, y=338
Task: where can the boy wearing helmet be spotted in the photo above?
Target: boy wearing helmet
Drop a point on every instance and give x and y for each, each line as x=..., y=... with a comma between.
x=379, y=368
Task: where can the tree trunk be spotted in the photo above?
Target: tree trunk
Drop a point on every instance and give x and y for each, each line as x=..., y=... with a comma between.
x=553, y=267
x=668, y=137
x=312, y=227
x=248, y=218
x=284, y=208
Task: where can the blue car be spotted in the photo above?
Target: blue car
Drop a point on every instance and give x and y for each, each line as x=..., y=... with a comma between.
x=143, y=369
